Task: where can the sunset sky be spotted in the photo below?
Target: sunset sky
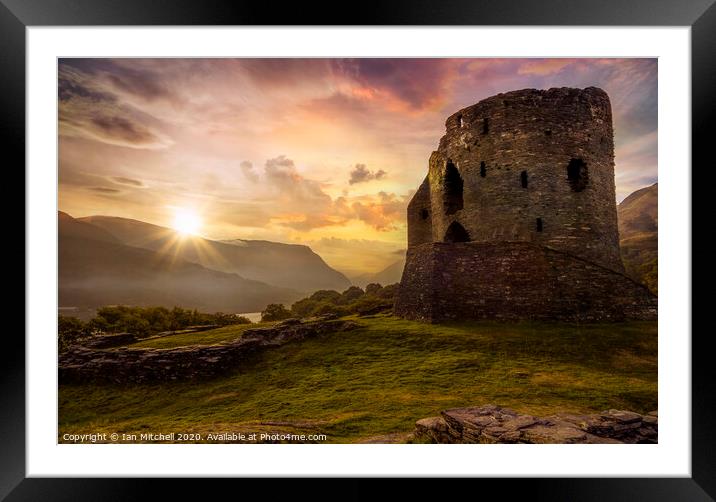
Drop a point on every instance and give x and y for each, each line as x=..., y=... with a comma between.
x=323, y=152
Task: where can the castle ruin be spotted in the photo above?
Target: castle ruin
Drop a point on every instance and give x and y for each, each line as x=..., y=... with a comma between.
x=517, y=217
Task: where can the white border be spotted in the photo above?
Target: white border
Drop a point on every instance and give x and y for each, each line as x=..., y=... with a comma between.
x=671, y=457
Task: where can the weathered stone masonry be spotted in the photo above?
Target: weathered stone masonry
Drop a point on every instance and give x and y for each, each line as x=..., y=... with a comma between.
x=517, y=216
x=137, y=365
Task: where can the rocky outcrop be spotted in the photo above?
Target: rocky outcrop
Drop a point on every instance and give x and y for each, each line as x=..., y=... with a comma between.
x=122, y=365
x=493, y=424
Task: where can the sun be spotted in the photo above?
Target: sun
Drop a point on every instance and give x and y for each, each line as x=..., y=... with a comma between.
x=187, y=222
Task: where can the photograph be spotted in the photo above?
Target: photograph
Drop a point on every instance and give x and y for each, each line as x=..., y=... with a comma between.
x=376, y=250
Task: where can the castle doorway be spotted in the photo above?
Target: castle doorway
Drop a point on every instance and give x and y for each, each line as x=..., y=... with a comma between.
x=456, y=233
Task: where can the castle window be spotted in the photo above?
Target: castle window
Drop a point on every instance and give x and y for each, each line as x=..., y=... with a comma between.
x=456, y=233
x=453, y=185
x=483, y=169
x=577, y=175
x=424, y=213
x=459, y=121
x=539, y=224
x=485, y=126
x=523, y=179
x=548, y=132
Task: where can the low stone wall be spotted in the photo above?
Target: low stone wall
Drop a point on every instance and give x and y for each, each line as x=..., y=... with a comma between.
x=492, y=424
x=107, y=341
x=512, y=281
x=122, y=365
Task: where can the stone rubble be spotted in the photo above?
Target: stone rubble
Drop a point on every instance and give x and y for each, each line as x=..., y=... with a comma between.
x=493, y=424
x=138, y=365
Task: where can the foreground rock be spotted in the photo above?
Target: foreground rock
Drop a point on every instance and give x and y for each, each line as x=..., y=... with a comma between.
x=492, y=424
x=121, y=365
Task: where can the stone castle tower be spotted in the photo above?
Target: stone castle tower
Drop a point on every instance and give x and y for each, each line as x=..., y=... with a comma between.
x=517, y=216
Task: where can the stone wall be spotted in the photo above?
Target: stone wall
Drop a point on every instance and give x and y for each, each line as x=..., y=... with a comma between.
x=492, y=424
x=515, y=280
x=136, y=365
x=513, y=152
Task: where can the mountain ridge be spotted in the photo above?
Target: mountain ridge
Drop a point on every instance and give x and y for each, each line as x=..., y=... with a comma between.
x=95, y=271
x=293, y=266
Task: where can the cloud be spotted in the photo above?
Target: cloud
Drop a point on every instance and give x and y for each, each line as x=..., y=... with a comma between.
x=104, y=190
x=130, y=76
x=417, y=83
x=384, y=212
x=248, y=169
x=88, y=110
x=122, y=180
x=360, y=174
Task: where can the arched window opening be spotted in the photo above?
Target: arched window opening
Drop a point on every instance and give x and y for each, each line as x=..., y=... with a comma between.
x=424, y=213
x=539, y=224
x=485, y=126
x=577, y=175
x=456, y=233
x=459, y=121
x=523, y=179
x=483, y=169
x=453, y=186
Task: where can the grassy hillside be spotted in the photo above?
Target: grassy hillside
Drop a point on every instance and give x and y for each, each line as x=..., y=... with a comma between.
x=373, y=383
x=639, y=235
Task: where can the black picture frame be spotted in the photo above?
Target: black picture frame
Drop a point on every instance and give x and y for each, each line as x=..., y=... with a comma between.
x=17, y=15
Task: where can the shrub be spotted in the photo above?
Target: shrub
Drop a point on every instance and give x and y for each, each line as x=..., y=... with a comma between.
x=373, y=288
x=70, y=330
x=350, y=295
x=329, y=308
x=305, y=307
x=275, y=312
x=325, y=295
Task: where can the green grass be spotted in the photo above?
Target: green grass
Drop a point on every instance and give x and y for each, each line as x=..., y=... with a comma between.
x=381, y=378
x=211, y=337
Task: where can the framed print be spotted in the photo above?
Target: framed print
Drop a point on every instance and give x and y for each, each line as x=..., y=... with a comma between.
x=420, y=242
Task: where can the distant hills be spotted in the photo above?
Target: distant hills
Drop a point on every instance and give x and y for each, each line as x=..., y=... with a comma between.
x=105, y=261
x=638, y=235
x=389, y=275
x=284, y=265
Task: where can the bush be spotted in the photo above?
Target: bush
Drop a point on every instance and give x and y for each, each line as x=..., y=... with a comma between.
x=353, y=300
x=70, y=330
x=329, y=308
x=350, y=295
x=275, y=312
x=144, y=321
x=326, y=295
x=373, y=288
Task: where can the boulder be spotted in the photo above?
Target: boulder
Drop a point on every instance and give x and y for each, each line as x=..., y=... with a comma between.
x=494, y=424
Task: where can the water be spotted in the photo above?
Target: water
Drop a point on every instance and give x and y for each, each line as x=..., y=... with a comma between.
x=252, y=316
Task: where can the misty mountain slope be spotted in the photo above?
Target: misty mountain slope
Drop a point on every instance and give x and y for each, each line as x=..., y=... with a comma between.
x=638, y=235
x=95, y=272
x=389, y=275
x=67, y=226
x=285, y=265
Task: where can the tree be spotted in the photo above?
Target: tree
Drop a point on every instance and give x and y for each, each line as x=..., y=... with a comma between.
x=373, y=288
x=275, y=312
x=351, y=294
x=70, y=330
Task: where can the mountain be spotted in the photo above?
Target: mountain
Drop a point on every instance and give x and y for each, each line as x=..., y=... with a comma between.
x=638, y=235
x=96, y=269
x=389, y=275
x=285, y=265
